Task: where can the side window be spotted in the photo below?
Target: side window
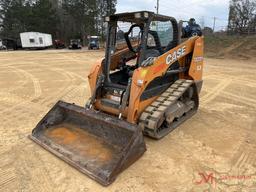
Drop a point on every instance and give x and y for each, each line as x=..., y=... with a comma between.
x=164, y=30
x=40, y=40
x=134, y=35
x=32, y=40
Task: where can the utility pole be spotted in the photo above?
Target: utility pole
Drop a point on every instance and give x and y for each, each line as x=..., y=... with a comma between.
x=157, y=7
x=202, y=22
x=214, y=21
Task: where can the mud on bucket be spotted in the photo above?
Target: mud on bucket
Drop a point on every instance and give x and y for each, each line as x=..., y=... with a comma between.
x=96, y=144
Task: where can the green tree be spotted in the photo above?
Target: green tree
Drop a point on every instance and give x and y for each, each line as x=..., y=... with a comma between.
x=242, y=14
x=106, y=8
x=87, y=16
x=64, y=19
x=18, y=16
x=43, y=17
x=14, y=15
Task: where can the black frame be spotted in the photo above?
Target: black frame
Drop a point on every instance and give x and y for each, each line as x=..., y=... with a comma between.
x=130, y=17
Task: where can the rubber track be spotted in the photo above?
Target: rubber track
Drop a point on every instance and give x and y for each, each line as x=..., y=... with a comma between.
x=149, y=119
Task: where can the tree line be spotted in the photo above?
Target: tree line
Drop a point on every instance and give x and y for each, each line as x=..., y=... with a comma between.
x=64, y=19
x=242, y=17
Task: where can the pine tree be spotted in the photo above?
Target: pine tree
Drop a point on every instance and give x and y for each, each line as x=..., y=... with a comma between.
x=21, y=16
x=63, y=19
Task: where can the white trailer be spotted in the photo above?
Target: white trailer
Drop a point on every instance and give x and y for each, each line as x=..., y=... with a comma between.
x=35, y=40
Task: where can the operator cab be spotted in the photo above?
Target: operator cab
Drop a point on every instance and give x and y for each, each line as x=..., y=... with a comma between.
x=133, y=38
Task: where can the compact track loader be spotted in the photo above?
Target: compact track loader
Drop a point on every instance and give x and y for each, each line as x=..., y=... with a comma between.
x=148, y=87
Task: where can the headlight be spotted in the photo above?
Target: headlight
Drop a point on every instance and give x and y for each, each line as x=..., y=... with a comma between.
x=107, y=19
x=146, y=14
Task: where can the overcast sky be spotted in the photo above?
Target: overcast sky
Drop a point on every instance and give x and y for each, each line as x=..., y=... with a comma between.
x=201, y=10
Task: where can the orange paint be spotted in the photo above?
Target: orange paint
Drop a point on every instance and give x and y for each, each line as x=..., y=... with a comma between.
x=132, y=112
x=80, y=142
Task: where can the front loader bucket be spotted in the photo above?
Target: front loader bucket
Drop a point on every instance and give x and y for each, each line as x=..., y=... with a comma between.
x=97, y=144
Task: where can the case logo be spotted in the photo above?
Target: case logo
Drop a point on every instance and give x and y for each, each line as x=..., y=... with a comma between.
x=175, y=55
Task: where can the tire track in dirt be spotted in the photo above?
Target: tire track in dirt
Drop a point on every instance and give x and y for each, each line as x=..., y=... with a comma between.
x=26, y=158
x=239, y=80
x=10, y=98
x=37, y=89
x=20, y=111
x=67, y=88
x=68, y=79
x=15, y=124
x=7, y=178
x=75, y=95
x=37, y=93
x=38, y=179
x=35, y=81
x=242, y=159
x=69, y=85
x=21, y=75
x=214, y=92
x=7, y=175
x=70, y=93
x=245, y=155
x=20, y=105
x=242, y=99
x=237, y=97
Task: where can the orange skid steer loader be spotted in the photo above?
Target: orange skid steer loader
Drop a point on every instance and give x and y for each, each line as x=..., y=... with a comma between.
x=148, y=87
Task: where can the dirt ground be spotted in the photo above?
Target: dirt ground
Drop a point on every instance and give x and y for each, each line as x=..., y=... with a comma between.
x=213, y=151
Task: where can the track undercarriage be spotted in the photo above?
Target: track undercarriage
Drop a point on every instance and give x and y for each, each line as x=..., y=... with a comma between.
x=174, y=106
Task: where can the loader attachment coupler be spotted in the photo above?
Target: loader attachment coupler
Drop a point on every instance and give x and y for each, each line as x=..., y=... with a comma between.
x=97, y=144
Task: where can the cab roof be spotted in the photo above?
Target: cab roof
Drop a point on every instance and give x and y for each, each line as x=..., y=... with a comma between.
x=138, y=16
